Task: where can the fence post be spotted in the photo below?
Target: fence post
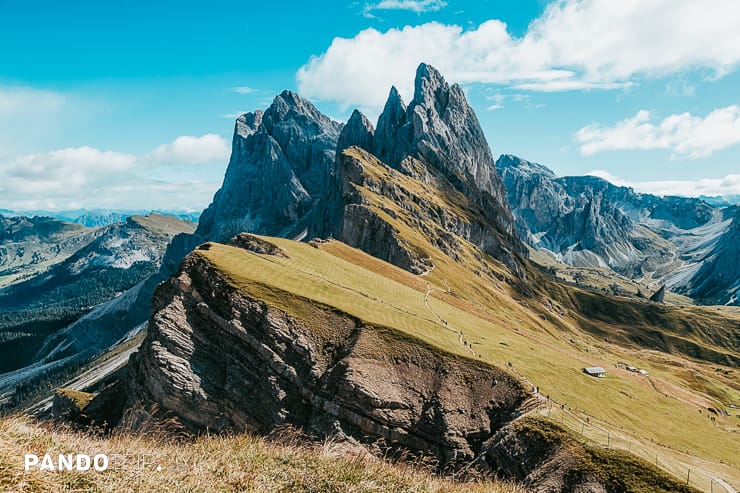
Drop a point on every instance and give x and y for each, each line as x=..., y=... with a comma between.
x=608, y=438
x=688, y=475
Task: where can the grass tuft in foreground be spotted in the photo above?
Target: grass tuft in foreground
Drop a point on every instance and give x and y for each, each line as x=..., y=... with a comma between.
x=207, y=464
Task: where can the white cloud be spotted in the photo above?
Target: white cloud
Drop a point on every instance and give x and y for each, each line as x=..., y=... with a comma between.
x=193, y=150
x=16, y=101
x=243, y=89
x=62, y=173
x=574, y=45
x=683, y=134
x=85, y=177
x=417, y=6
x=729, y=185
x=497, y=101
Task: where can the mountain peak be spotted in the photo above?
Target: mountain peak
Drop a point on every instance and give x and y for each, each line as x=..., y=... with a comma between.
x=357, y=132
x=280, y=167
x=441, y=132
x=390, y=141
x=248, y=123
x=430, y=88
x=289, y=105
x=507, y=162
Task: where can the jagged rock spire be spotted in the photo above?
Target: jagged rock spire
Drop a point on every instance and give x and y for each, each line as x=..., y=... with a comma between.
x=281, y=166
x=391, y=136
x=441, y=129
x=357, y=132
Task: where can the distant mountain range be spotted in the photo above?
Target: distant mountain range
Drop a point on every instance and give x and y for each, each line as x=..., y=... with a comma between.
x=720, y=201
x=67, y=271
x=585, y=221
x=93, y=218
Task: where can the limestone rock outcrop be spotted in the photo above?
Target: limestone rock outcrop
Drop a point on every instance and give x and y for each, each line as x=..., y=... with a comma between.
x=222, y=359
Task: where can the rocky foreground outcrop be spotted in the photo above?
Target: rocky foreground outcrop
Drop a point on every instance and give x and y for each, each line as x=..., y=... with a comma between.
x=219, y=358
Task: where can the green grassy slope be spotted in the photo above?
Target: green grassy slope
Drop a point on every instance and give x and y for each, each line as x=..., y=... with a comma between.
x=659, y=413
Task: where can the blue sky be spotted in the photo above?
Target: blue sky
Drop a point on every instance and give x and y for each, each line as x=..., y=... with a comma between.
x=130, y=104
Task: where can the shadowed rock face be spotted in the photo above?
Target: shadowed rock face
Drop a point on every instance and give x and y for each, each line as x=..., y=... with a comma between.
x=221, y=359
x=281, y=168
x=285, y=174
x=718, y=280
x=440, y=131
x=563, y=217
x=357, y=132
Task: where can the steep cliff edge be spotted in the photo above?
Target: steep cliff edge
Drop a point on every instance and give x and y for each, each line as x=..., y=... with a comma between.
x=228, y=353
x=281, y=168
x=269, y=332
x=437, y=141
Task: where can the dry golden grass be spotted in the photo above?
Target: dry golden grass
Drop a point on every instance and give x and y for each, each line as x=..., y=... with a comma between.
x=208, y=464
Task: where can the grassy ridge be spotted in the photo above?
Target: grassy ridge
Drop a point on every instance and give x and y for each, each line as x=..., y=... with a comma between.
x=501, y=330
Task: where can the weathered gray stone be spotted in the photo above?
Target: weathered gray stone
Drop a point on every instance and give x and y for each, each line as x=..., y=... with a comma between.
x=244, y=365
x=281, y=168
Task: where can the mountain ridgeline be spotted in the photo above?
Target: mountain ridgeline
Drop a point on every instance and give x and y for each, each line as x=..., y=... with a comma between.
x=388, y=320
x=74, y=272
x=585, y=221
x=285, y=176
x=365, y=284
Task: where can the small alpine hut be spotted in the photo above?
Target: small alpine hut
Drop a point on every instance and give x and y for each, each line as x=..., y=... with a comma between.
x=595, y=371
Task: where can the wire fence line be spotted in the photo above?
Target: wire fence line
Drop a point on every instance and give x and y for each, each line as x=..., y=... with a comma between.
x=598, y=432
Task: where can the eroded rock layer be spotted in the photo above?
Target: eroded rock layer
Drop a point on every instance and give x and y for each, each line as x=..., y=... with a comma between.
x=222, y=359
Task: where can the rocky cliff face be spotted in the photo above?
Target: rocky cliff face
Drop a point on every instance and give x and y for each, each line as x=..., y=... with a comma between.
x=718, y=278
x=223, y=359
x=546, y=458
x=437, y=141
x=281, y=168
x=441, y=130
x=588, y=222
x=285, y=177
x=573, y=218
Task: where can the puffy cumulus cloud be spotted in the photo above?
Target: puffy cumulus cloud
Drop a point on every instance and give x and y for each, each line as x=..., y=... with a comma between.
x=574, y=45
x=726, y=186
x=85, y=177
x=683, y=134
x=193, y=150
x=64, y=175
